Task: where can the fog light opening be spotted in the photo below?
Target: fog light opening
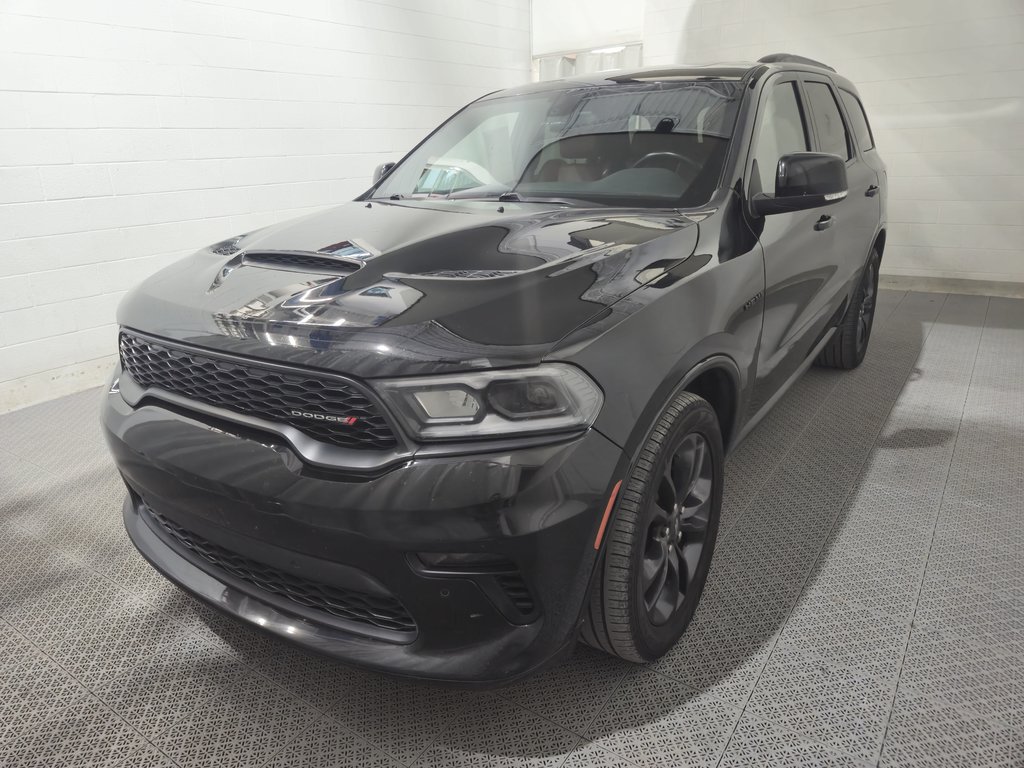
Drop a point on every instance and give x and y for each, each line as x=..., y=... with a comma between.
x=475, y=562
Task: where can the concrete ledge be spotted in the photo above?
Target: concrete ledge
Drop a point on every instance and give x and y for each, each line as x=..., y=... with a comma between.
x=39, y=387
x=951, y=285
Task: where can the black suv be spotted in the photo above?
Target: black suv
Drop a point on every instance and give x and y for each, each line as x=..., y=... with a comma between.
x=449, y=428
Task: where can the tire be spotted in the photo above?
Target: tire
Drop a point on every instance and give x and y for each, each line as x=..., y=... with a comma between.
x=626, y=616
x=849, y=344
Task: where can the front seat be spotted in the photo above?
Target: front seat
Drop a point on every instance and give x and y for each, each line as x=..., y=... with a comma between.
x=581, y=161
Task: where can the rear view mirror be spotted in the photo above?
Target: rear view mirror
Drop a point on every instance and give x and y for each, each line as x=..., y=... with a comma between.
x=804, y=180
x=381, y=171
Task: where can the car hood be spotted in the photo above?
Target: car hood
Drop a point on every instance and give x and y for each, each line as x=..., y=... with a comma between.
x=386, y=288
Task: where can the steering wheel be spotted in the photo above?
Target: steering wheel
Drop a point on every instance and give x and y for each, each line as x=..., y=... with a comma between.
x=656, y=160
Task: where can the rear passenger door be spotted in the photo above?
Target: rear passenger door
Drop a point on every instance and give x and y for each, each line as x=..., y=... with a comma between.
x=855, y=218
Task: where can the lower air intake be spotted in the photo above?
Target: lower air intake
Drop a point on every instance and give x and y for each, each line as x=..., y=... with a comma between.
x=378, y=611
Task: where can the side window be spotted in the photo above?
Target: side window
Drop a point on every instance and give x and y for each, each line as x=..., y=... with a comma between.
x=858, y=120
x=831, y=131
x=783, y=130
x=483, y=157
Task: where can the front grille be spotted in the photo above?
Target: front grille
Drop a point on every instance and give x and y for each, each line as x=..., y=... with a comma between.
x=262, y=392
x=383, y=612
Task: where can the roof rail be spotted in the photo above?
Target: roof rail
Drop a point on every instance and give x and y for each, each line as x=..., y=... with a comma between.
x=790, y=58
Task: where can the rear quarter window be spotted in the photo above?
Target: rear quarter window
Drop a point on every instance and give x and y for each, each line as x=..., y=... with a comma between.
x=858, y=120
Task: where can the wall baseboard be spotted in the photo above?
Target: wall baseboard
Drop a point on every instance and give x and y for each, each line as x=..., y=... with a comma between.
x=951, y=285
x=48, y=385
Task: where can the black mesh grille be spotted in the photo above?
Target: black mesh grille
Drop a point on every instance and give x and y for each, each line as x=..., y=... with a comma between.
x=384, y=612
x=347, y=417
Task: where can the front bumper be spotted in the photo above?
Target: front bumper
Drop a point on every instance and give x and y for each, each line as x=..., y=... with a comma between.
x=537, y=508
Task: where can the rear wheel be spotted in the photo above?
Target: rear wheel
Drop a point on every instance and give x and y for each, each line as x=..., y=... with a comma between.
x=662, y=537
x=850, y=342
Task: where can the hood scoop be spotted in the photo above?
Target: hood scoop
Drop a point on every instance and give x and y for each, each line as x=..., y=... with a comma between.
x=302, y=261
x=469, y=273
x=305, y=262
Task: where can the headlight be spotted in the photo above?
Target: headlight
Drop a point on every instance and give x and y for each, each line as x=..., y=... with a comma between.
x=550, y=398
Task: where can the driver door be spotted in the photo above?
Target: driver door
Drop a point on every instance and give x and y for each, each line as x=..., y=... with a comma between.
x=799, y=246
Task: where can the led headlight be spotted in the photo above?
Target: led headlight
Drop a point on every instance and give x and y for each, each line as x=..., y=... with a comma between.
x=549, y=398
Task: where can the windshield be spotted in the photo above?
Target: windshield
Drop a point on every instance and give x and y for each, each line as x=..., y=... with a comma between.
x=632, y=144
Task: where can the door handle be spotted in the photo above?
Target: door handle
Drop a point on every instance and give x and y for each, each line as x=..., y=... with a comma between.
x=872, y=190
x=823, y=223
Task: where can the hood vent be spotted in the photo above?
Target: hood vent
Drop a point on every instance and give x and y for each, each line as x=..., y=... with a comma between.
x=226, y=247
x=470, y=273
x=301, y=261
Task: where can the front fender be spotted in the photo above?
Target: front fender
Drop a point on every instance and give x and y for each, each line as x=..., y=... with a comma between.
x=654, y=340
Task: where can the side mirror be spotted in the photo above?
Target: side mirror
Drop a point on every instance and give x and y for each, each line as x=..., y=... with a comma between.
x=381, y=171
x=804, y=180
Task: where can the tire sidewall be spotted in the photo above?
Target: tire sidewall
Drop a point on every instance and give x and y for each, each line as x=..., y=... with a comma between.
x=654, y=641
x=872, y=269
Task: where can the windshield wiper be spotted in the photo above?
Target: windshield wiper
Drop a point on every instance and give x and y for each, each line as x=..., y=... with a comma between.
x=511, y=196
x=508, y=196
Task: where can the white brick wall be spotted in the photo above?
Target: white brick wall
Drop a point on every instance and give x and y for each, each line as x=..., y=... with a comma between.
x=559, y=26
x=943, y=84
x=132, y=133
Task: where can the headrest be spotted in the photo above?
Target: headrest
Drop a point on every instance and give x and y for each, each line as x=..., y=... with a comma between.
x=585, y=145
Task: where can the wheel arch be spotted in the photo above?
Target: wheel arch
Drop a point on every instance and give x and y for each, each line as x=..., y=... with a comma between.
x=716, y=378
x=718, y=386
x=606, y=622
x=879, y=243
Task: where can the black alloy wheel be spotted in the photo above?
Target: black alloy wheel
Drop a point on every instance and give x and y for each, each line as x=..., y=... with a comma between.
x=866, y=311
x=661, y=536
x=849, y=343
x=677, y=528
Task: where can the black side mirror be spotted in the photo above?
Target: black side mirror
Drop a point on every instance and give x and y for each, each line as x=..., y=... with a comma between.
x=804, y=180
x=381, y=171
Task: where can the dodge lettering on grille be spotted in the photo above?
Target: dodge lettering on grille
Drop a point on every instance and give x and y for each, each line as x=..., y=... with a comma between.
x=347, y=420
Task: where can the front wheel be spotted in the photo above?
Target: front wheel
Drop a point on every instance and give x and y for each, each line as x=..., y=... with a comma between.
x=850, y=343
x=662, y=537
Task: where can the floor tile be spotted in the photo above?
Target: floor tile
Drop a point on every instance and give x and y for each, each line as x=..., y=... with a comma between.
x=929, y=733
x=589, y=755
x=980, y=677
x=759, y=744
x=85, y=733
x=571, y=693
x=652, y=718
x=823, y=702
x=329, y=744
x=495, y=732
x=397, y=717
x=225, y=732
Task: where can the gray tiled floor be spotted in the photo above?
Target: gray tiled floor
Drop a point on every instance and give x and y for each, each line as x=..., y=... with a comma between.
x=866, y=604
